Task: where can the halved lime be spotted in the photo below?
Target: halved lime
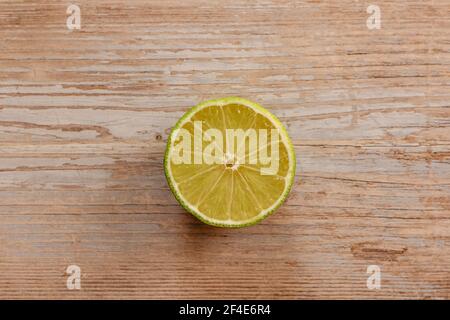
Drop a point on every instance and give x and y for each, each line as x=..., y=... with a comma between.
x=229, y=162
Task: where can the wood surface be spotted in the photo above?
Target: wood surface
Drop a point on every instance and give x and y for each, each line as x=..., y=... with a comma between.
x=85, y=115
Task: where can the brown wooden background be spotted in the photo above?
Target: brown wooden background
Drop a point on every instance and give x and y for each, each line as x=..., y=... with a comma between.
x=85, y=114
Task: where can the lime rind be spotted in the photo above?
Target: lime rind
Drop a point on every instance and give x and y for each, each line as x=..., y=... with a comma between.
x=231, y=223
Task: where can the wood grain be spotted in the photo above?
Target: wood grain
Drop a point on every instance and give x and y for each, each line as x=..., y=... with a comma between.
x=85, y=114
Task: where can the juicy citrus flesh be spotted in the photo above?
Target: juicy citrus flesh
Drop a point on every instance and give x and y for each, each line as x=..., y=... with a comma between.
x=233, y=193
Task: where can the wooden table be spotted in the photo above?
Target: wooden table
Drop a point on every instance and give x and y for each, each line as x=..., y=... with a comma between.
x=85, y=115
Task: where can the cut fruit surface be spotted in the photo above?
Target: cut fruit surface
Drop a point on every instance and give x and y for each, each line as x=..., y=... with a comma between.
x=229, y=162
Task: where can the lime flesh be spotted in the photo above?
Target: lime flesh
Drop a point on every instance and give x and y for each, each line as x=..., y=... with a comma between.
x=233, y=192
